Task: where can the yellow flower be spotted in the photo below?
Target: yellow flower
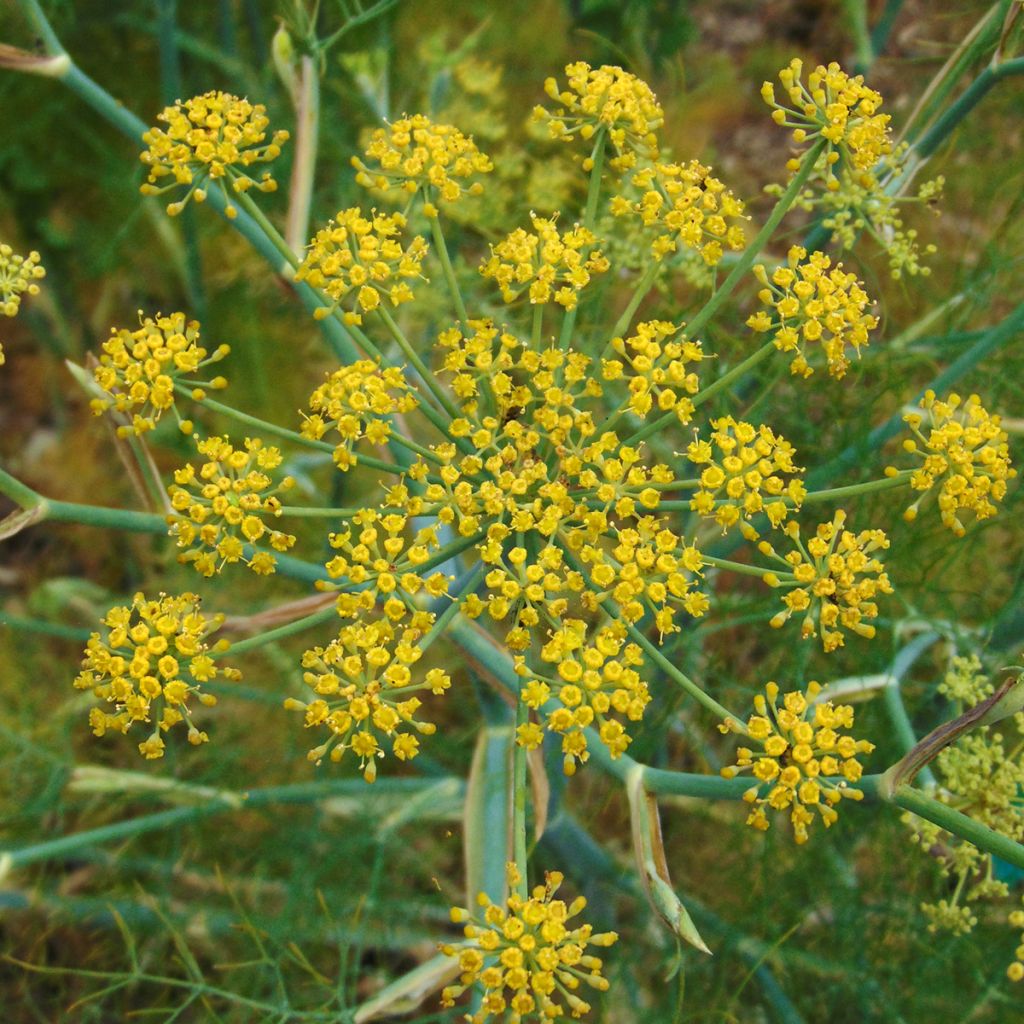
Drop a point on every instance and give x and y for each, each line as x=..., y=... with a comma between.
x=810, y=301
x=356, y=401
x=964, y=453
x=686, y=207
x=18, y=276
x=362, y=259
x=806, y=759
x=215, y=138
x=375, y=556
x=832, y=582
x=414, y=152
x=527, y=955
x=609, y=99
x=837, y=108
x=220, y=510
x=659, y=362
x=741, y=468
x=551, y=264
x=366, y=692
x=138, y=369
x=594, y=683
x=149, y=662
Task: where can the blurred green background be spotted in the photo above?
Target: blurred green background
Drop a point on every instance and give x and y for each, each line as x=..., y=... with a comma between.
x=300, y=911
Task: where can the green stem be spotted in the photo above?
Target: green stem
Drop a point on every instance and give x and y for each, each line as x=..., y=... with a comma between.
x=447, y=269
x=643, y=286
x=678, y=676
x=421, y=368
x=108, y=518
x=21, y=494
x=746, y=261
x=246, y=201
x=441, y=623
x=273, y=635
x=589, y=218
x=297, y=793
x=307, y=130
x=740, y=567
x=42, y=25
x=519, y=798
x=958, y=824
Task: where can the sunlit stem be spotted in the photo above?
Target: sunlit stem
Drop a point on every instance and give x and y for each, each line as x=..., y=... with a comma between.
x=307, y=129
x=447, y=269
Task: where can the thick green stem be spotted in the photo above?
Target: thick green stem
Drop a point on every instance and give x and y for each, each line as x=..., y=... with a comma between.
x=447, y=269
x=958, y=824
x=21, y=494
x=307, y=131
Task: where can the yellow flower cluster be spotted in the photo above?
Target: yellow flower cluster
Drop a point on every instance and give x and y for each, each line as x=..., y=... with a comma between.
x=149, y=663
x=811, y=301
x=833, y=580
x=660, y=365
x=18, y=276
x=528, y=956
x=215, y=138
x=806, y=756
x=592, y=681
x=414, y=152
x=138, y=369
x=687, y=208
x=555, y=265
x=742, y=466
x=356, y=401
x=964, y=453
x=376, y=557
x=363, y=258
x=366, y=692
x=837, y=108
x=608, y=99
x=220, y=509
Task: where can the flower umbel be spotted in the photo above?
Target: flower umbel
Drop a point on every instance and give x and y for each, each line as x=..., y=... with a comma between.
x=605, y=98
x=414, y=152
x=361, y=259
x=964, y=454
x=835, y=107
x=138, y=369
x=550, y=264
x=356, y=401
x=528, y=956
x=215, y=138
x=366, y=692
x=833, y=581
x=805, y=756
x=221, y=508
x=686, y=208
x=743, y=466
x=809, y=300
x=149, y=663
